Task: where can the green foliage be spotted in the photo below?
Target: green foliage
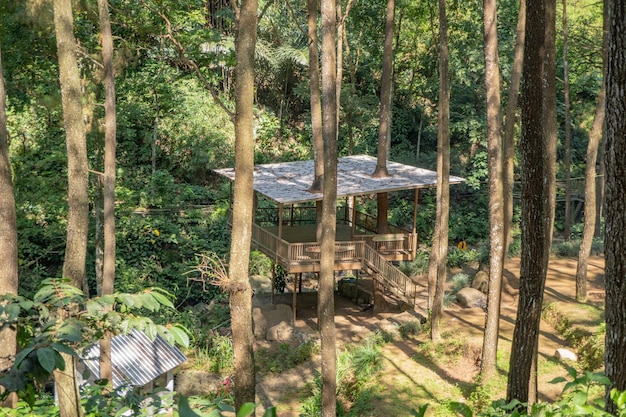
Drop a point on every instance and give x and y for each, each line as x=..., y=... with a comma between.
x=460, y=280
x=356, y=368
x=286, y=357
x=60, y=320
x=572, y=247
x=577, y=400
x=410, y=328
x=219, y=353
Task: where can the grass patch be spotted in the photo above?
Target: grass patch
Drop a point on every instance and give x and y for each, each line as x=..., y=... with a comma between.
x=285, y=357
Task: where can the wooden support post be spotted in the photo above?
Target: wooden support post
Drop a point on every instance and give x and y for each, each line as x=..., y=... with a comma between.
x=280, y=220
x=353, y=217
x=273, y=281
x=295, y=298
x=300, y=283
x=415, y=202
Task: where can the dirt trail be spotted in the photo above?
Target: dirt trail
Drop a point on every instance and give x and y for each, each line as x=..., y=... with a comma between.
x=404, y=376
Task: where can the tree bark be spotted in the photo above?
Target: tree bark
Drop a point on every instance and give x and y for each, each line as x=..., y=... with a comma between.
x=536, y=218
x=326, y=301
x=110, y=129
x=508, y=152
x=78, y=198
x=384, y=123
x=496, y=193
x=8, y=240
x=439, y=252
x=316, y=100
x=240, y=289
x=386, y=81
x=568, y=134
x=549, y=161
x=615, y=238
x=591, y=213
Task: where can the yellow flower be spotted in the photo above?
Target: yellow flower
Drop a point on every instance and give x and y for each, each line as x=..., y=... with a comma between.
x=156, y=232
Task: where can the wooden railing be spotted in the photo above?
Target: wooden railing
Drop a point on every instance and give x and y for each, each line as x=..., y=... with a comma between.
x=390, y=276
x=292, y=215
x=306, y=255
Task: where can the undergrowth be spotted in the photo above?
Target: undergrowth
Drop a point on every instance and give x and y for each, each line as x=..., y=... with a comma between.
x=589, y=345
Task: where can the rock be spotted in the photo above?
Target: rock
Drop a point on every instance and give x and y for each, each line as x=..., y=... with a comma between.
x=281, y=332
x=471, y=297
x=566, y=355
x=481, y=282
x=266, y=318
x=259, y=322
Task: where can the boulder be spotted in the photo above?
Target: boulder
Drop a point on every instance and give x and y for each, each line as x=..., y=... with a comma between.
x=281, y=332
x=481, y=282
x=566, y=355
x=270, y=316
x=471, y=297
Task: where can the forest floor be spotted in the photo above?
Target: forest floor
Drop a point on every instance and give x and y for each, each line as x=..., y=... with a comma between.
x=416, y=372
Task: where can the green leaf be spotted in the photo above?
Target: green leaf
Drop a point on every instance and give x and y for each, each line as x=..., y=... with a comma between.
x=270, y=412
x=557, y=380
x=184, y=410
x=579, y=398
x=22, y=355
x=93, y=307
x=572, y=372
x=126, y=300
x=12, y=311
x=122, y=411
x=70, y=331
x=180, y=336
x=462, y=409
x=63, y=348
x=46, y=358
x=148, y=301
x=59, y=362
x=246, y=410
x=162, y=299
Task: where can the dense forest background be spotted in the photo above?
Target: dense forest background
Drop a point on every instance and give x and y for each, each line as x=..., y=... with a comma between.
x=174, y=67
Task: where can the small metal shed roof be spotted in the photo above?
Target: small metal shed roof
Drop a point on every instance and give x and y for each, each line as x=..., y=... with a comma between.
x=288, y=182
x=136, y=359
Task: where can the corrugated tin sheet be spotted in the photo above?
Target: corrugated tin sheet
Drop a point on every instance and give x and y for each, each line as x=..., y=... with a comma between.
x=288, y=182
x=136, y=359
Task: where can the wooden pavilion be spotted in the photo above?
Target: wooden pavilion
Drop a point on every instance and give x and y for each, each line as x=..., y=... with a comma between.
x=284, y=226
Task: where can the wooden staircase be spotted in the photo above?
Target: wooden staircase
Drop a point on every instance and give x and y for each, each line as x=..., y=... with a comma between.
x=389, y=276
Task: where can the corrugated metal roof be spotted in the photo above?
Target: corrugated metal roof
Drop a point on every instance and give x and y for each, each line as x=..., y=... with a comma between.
x=136, y=359
x=289, y=182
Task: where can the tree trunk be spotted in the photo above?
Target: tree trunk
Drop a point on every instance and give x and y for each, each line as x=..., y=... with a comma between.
x=615, y=238
x=326, y=301
x=508, y=152
x=439, y=252
x=384, y=123
x=110, y=128
x=591, y=213
x=78, y=198
x=316, y=101
x=590, y=198
x=568, y=134
x=496, y=194
x=600, y=181
x=240, y=290
x=536, y=219
x=8, y=242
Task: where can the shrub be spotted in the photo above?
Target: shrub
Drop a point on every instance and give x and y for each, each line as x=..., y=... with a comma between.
x=459, y=281
x=410, y=328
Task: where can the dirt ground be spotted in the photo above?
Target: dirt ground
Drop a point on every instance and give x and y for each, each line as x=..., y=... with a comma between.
x=405, y=379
